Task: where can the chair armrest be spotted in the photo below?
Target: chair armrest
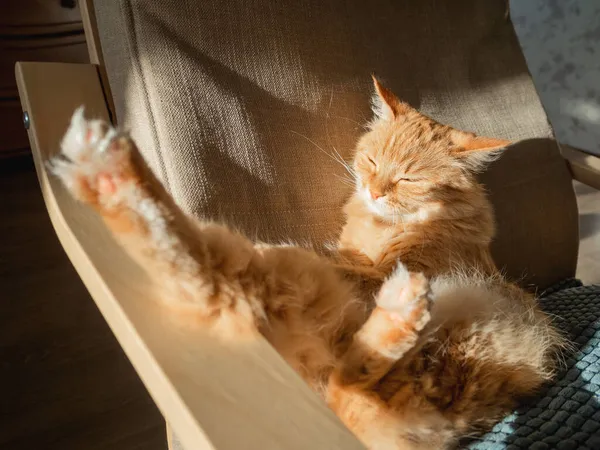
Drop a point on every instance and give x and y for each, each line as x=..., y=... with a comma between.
x=214, y=394
x=584, y=167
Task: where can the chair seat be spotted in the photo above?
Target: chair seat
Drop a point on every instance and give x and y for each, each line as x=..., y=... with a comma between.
x=567, y=414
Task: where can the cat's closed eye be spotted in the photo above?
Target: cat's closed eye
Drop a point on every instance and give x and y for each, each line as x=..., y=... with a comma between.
x=372, y=161
x=401, y=179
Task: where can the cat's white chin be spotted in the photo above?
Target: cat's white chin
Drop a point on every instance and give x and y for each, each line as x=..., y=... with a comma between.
x=379, y=209
x=378, y=206
x=388, y=213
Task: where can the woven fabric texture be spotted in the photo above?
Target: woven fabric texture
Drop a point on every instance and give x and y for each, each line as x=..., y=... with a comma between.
x=238, y=106
x=567, y=415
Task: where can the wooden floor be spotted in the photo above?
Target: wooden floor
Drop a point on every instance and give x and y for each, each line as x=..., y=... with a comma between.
x=64, y=381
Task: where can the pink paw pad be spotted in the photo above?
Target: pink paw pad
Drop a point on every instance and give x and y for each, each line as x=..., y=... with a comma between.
x=403, y=293
x=88, y=135
x=106, y=184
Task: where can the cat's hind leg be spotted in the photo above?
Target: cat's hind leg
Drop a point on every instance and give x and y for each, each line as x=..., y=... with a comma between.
x=200, y=266
x=393, y=328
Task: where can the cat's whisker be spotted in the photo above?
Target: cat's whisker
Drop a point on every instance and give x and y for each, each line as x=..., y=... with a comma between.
x=344, y=177
x=395, y=217
x=344, y=164
x=344, y=180
x=313, y=143
x=361, y=125
x=337, y=156
x=349, y=176
x=400, y=215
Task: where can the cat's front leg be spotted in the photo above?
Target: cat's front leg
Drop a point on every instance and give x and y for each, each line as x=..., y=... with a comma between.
x=408, y=249
x=200, y=267
x=393, y=329
x=355, y=257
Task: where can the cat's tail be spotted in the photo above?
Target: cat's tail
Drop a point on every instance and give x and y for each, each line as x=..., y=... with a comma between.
x=199, y=266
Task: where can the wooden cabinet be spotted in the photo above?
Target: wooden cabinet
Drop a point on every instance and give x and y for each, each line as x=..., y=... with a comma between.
x=33, y=30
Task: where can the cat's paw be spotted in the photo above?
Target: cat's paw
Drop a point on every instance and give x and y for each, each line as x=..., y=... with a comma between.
x=95, y=161
x=406, y=296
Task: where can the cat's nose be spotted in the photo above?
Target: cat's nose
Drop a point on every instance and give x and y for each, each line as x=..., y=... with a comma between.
x=375, y=194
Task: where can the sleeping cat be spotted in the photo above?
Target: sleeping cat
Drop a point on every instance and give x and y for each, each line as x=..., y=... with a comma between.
x=417, y=199
x=435, y=356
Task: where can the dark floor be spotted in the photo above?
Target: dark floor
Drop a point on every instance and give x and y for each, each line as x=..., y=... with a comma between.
x=64, y=381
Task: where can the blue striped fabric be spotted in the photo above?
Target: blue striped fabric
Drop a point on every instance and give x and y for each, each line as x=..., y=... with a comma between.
x=567, y=415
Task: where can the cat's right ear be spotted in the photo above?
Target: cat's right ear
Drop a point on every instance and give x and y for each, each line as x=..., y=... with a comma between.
x=476, y=152
x=385, y=104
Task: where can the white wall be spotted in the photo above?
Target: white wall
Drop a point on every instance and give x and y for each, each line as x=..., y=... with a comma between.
x=561, y=42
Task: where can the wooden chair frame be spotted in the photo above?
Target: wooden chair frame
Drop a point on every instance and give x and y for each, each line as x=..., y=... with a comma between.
x=215, y=394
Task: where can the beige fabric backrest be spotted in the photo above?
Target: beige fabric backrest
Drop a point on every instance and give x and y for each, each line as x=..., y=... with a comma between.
x=239, y=106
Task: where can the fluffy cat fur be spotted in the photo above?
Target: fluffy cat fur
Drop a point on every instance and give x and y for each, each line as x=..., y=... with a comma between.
x=416, y=196
x=438, y=354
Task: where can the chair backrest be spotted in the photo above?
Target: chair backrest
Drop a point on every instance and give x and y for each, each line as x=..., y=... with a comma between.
x=239, y=107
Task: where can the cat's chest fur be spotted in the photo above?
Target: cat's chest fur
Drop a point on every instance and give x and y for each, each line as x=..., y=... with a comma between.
x=367, y=233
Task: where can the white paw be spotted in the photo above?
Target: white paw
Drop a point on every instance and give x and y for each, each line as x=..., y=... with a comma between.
x=406, y=296
x=85, y=137
x=90, y=163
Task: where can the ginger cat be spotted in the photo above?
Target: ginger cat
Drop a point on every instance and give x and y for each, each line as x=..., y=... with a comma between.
x=416, y=196
x=429, y=360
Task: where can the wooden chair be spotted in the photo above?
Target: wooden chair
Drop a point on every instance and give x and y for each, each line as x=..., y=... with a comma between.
x=215, y=395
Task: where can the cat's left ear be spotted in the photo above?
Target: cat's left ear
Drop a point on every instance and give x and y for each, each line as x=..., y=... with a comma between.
x=386, y=105
x=476, y=152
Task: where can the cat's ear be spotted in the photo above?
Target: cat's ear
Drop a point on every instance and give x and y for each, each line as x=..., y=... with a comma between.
x=476, y=152
x=386, y=106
